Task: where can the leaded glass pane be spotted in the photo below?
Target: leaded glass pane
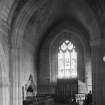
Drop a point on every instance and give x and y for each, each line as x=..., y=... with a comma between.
x=67, y=60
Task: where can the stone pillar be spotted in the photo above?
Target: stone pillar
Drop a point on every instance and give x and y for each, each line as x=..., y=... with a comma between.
x=4, y=78
x=14, y=76
x=98, y=72
x=4, y=58
x=1, y=89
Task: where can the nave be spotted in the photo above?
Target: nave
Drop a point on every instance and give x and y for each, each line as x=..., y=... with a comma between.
x=52, y=50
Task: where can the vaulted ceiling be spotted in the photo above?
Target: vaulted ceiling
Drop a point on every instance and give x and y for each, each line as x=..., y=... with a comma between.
x=40, y=16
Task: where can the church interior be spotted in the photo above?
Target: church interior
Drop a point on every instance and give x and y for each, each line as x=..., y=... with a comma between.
x=52, y=52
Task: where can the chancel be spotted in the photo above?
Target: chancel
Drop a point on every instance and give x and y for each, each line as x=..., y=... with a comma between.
x=52, y=52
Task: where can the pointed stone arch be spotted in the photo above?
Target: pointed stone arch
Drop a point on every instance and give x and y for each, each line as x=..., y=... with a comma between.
x=20, y=23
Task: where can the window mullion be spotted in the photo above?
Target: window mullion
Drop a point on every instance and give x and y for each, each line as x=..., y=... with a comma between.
x=64, y=65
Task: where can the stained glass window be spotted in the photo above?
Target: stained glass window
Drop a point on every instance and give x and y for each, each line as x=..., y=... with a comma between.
x=67, y=60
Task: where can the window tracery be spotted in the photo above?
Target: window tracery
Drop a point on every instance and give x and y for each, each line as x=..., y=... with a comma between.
x=67, y=60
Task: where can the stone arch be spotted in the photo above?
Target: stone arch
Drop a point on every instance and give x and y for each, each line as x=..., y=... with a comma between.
x=83, y=49
x=17, y=33
x=15, y=51
x=29, y=9
x=47, y=47
x=60, y=37
x=22, y=20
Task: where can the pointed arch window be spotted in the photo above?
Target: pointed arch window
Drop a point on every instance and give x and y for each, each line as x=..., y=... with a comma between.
x=67, y=60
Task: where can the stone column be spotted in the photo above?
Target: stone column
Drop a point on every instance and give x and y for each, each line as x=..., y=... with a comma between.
x=4, y=64
x=14, y=76
x=98, y=72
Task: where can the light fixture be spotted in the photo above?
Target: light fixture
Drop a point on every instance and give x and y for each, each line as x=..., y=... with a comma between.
x=104, y=58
